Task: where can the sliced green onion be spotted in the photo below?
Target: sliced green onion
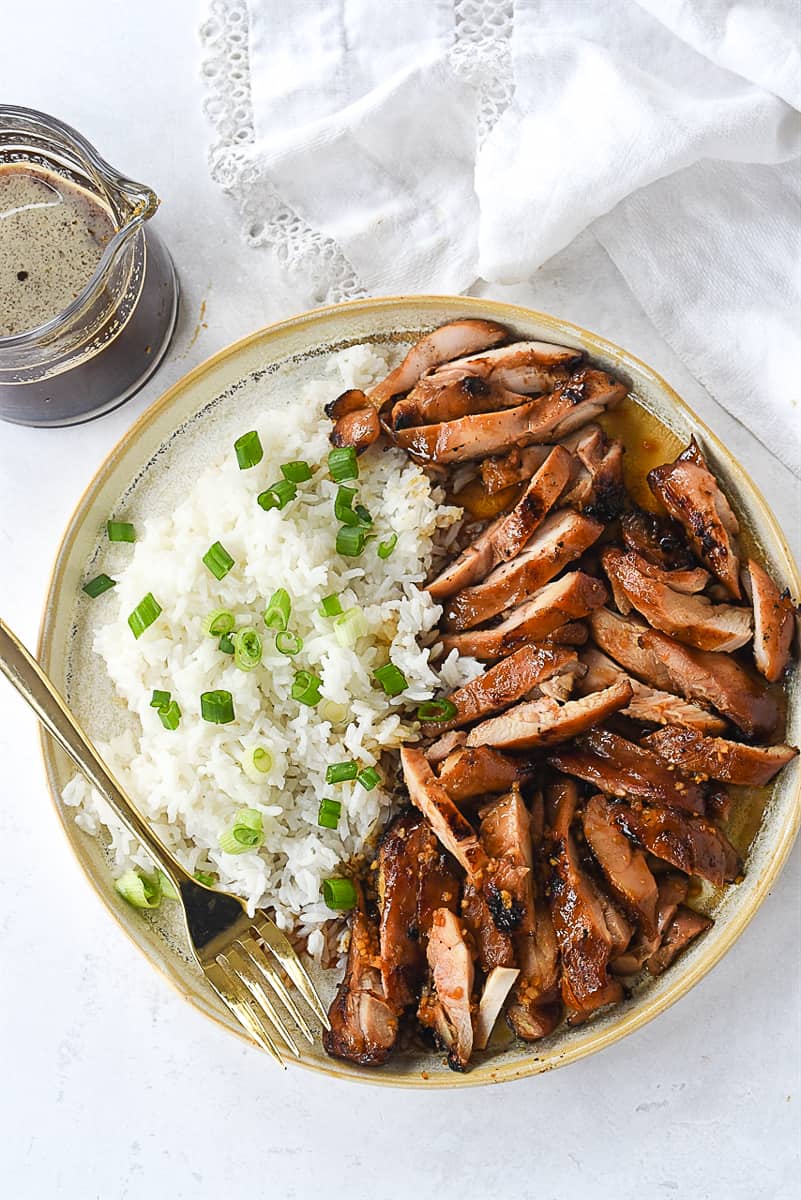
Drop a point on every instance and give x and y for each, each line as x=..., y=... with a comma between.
x=278, y=495
x=306, y=688
x=363, y=515
x=287, y=642
x=350, y=540
x=170, y=715
x=386, y=548
x=120, y=531
x=341, y=771
x=140, y=890
x=206, y=877
x=342, y=464
x=159, y=699
x=343, y=505
x=167, y=889
x=246, y=833
x=144, y=615
x=247, y=649
x=218, y=560
x=330, y=606
x=218, y=622
x=296, y=472
x=217, y=707
x=278, y=610
x=257, y=763
x=339, y=894
x=248, y=450
x=368, y=778
x=329, y=813
x=226, y=644
x=392, y=679
x=436, y=710
x=350, y=626
x=101, y=583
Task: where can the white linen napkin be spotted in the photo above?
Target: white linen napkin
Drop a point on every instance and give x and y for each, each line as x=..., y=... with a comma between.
x=419, y=145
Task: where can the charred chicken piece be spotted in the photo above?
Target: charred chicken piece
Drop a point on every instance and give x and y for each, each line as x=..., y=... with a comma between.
x=672, y=888
x=623, y=865
x=480, y=771
x=647, y=704
x=599, y=488
x=445, y=1005
x=454, y=831
x=659, y=540
x=774, y=623
x=690, y=843
x=685, y=927
x=523, y=367
x=621, y=638
x=545, y=721
x=432, y=401
x=718, y=758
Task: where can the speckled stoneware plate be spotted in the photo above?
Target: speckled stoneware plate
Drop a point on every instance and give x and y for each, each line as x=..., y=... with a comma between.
x=185, y=430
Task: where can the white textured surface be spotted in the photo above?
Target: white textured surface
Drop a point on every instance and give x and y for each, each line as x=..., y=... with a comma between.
x=114, y=1087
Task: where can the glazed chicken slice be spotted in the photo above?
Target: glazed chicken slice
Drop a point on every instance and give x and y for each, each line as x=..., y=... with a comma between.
x=774, y=623
x=454, y=831
x=622, y=768
x=684, y=928
x=364, y=1025
x=573, y=633
x=585, y=395
x=623, y=865
x=480, y=771
x=690, y=493
x=691, y=844
x=524, y=367
x=493, y=946
x=545, y=721
x=694, y=619
x=647, y=704
x=432, y=401
x=501, y=471
x=659, y=540
x=718, y=758
x=621, y=638
x=496, y=988
x=599, y=488
x=672, y=888
x=504, y=684
x=445, y=1005
x=582, y=934
x=563, y=536
x=566, y=599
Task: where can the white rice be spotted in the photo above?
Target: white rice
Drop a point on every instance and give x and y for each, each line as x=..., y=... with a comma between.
x=190, y=782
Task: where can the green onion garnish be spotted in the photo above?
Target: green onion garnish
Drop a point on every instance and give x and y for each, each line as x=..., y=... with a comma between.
x=342, y=464
x=248, y=450
x=206, y=877
x=101, y=583
x=226, y=644
x=247, y=649
x=328, y=814
x=343, y=505
x=120, y=531
x=140, y=890
x=363, y=515
x=278, y=610
x=330, y=606
x=246, y=833
x=278, y=495
x=287, y=642
x=350, y=626
x=392, y=679
x=296, y=472
x=436, y=710
x=159, y=699
x=341, y=771
x=219, y=622
x=306, y=688
x=218, y=560
x=368, y=778
x=350, y=540
x=144, y=615
x=170, y=715
x=167, y=889
x=386, y=548
x=339, y=894
x=257, y=763
x=217, y=707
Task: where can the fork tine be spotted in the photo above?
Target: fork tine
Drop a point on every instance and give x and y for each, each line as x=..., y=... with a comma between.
x=233, y=993
x=257, y=958
x=284, y=951
x=252, y=982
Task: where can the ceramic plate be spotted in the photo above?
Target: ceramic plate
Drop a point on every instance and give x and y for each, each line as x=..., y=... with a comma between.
x=183, y=432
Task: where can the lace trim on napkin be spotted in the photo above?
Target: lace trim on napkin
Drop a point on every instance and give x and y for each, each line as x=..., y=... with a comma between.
x=481, y=55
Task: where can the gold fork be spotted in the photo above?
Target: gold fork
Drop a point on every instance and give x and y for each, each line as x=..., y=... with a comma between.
x=232, y=948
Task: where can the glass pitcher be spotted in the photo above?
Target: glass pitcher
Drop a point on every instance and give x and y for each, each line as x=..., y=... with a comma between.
x=95, y=353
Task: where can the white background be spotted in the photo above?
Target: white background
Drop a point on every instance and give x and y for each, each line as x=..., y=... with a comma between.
x=112, y=1086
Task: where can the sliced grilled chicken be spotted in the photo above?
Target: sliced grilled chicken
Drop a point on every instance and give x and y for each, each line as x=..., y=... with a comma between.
x=454, y=831
x=692, y=844
x=647, y=704
x=474, y=562
x=621, y=638
x=504, y=684
x=672, y=888
x=685, y=927
x=659, y=540
x=718, y=758
x=358, y=429
x=364, y=1025
x=718, y=680
x=493, y=946
x=544, y=722
x=599, y=488
x=693, y=619
x=499, y=472
x=446, y=1007
x=585, y=395
x=445, y=746
x=690, y=493
x=624, y=867
x=524, y=367
x=566, y=599
x=574, y=633
x=583, y=936
x=562, y=537
x=496, y=988
x=432, y=401
x=774, y=623
x=480, y=771
x=622, y=768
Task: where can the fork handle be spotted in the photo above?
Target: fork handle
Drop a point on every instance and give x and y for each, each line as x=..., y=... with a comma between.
x=21, y=668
